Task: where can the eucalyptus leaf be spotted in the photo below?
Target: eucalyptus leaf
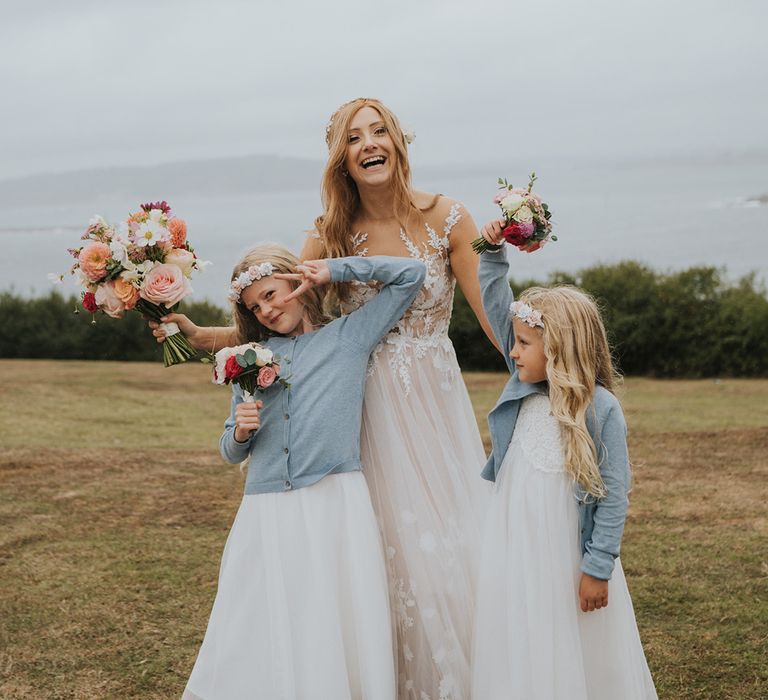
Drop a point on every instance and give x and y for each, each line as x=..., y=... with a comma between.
x=241, y=361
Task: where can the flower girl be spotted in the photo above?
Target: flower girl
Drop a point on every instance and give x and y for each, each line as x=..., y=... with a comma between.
x=302, y=605
x=554, y=616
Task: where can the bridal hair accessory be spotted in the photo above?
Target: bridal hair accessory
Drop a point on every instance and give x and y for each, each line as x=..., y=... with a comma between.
x=408, y=134
x=526, y=314
x=247, y=278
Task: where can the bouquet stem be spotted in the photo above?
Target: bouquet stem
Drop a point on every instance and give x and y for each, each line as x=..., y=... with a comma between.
x=480, y=245
x=176, y=348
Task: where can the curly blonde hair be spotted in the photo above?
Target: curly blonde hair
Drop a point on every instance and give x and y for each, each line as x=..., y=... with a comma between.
x=283, y=260
x=578, y=358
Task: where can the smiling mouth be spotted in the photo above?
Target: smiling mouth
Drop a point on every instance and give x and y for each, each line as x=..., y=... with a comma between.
x=373, y=160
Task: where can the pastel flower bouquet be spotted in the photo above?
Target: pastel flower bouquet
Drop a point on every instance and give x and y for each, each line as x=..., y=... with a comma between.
x=251, y=366
x=144, y=264
x=526, y=218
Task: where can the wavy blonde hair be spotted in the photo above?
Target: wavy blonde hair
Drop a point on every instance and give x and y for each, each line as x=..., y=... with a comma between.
x=283, y=260
x=340, y=196
x=578, y=358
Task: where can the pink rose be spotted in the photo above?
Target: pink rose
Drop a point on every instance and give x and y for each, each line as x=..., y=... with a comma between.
x=266, y=377
x=108, y=301
x=165, y=284
x=93, y=260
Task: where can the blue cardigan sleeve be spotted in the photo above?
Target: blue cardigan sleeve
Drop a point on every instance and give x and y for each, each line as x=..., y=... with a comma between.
x=610, y=512
x=497, y=297
x=401, y=277
x=231, y=450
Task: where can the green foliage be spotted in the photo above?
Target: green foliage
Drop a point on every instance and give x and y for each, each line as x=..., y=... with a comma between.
x=47, y=327
x=680, y=324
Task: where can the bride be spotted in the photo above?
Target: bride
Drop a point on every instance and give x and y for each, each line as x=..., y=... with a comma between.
x=420, y=445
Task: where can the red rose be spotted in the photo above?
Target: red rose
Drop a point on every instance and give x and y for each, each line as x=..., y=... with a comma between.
x=232, y=369
x=517, y=233
x=89, y=302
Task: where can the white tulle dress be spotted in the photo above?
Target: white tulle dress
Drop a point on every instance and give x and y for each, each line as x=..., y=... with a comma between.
x=533, y=642
x=301, y=611
x=422, y=455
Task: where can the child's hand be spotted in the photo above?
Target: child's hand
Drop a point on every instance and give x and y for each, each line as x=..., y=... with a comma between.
x=247, y=419
x=311, y=273
x=492, y=231
x=593, y=593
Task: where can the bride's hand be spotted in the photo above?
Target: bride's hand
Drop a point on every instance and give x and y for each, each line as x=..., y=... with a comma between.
x=186, y=326
x=493, y=231
x=310, y=273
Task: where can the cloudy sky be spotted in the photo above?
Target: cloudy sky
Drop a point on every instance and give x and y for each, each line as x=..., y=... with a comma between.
x=96, y=83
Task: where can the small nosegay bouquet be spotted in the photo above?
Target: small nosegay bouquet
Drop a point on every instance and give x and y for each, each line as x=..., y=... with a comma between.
x=251, y=366
x=145, y=263
x=526, y=218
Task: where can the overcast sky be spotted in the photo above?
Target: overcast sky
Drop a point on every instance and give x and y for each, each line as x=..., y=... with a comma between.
x=96, y=83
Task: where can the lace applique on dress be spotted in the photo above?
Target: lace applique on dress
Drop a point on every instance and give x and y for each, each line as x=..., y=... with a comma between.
x=424, y=327
x=538, y=434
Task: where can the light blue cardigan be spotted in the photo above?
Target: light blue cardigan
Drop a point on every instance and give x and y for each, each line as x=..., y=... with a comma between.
x=313, y=428
x=601, y=522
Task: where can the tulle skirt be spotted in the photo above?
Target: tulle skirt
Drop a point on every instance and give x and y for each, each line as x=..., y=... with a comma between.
x=302, y=607
x=422, y=456
x=533, y=642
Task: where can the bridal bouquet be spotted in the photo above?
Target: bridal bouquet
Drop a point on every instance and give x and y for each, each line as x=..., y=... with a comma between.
x=144, y=264
x=526, y=218
x=251, y=366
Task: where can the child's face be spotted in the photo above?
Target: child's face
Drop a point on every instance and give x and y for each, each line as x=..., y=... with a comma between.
x=528, y=353
x=264, y=298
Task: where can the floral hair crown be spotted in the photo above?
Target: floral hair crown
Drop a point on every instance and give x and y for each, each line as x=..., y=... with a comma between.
x=247, y=278
x=408, y=134
x=523, y=312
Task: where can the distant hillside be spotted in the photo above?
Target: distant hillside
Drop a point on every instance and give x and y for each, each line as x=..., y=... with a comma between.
x=260, y=173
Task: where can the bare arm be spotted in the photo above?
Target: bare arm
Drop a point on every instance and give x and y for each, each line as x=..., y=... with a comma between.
x=464, y=263
x=203, y=338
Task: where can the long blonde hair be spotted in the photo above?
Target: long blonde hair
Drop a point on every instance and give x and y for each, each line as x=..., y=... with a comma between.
x=340, y=196
x=578, y=358
x=282, y=260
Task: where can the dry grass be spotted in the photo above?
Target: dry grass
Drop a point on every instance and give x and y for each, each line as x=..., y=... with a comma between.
x=111, y=529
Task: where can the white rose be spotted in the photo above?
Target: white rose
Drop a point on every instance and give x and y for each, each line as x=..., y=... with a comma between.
x=183, y=259
x=263, y=356
x=511, y=203
x=523, y=215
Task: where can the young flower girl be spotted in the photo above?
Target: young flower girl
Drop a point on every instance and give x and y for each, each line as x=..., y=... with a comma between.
x=302, y=605
x=554, y=616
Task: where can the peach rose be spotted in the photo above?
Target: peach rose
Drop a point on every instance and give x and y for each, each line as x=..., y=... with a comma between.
x=126, y=293
x=266, y=377
x=165, y=284
x=178, y=229
x=108, y=300
x=93, y=260
x=183, y=258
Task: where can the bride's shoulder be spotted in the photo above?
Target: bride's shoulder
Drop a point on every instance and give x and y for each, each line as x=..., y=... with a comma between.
x=441, y=212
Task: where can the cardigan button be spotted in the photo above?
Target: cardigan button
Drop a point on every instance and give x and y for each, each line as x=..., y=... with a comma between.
x=287, y=485
x=286, y=416
x=286, y=450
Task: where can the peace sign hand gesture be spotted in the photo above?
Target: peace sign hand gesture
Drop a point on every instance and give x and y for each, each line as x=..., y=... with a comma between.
x=310, y=273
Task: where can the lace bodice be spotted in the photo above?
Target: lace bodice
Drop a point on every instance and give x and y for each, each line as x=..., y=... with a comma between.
x=538, y=435
x=424, y=326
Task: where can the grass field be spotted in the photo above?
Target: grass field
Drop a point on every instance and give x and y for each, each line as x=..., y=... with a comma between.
x=114, y=508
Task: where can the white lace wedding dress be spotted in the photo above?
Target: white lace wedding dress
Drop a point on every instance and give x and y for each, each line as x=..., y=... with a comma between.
x=422, y=455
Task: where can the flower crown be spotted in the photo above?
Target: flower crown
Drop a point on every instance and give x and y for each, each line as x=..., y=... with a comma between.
x=523, y=312
x=408, y=134
x=247, y=278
